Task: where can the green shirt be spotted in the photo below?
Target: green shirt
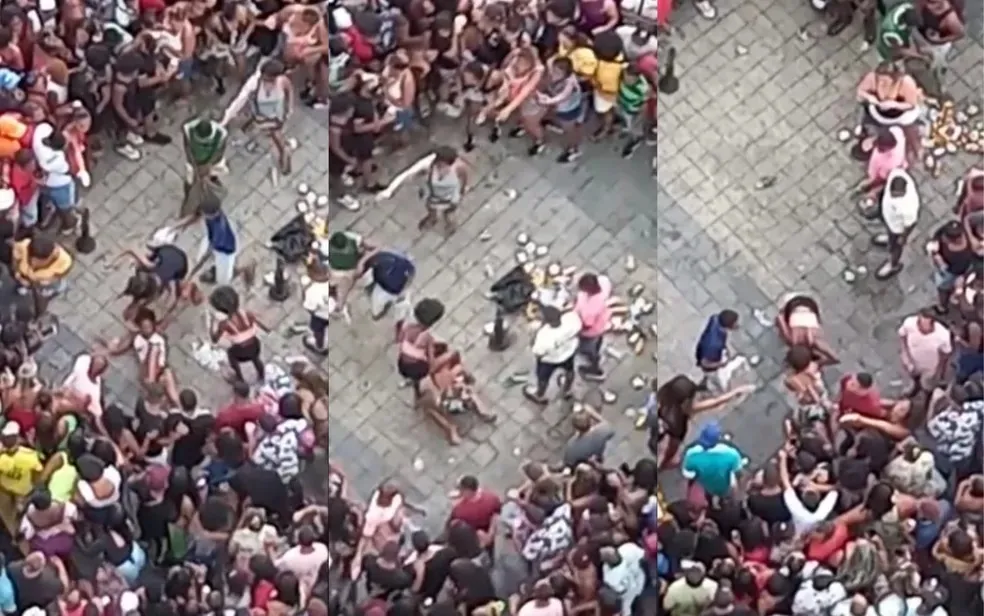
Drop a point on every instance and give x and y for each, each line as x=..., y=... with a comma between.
x=204, y=150
x=892, y=33
x=631, y=97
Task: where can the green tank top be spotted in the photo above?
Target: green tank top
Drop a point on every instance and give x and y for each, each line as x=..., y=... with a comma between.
x=892, y=33
x=343, y=252
x=62, y=482
x=73, y=423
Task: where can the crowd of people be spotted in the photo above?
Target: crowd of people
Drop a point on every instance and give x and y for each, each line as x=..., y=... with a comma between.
x=167, y=507
x=500, y=69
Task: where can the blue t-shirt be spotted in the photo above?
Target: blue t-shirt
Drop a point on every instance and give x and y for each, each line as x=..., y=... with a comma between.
x=712, y=343
x=391, y=271
x=927, y=532
x=221, y=237
x=714, y=469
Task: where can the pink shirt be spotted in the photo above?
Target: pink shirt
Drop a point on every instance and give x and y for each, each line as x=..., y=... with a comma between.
x=880, y=164
x=925, y=349
x=593, y=310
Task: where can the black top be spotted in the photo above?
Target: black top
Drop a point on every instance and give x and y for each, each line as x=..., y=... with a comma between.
x=170, y=263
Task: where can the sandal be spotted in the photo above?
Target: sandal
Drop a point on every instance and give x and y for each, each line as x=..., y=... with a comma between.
x=530, y=394
x=887, y=270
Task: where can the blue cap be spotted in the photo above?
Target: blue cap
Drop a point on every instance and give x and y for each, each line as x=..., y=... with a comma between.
x=710, y=435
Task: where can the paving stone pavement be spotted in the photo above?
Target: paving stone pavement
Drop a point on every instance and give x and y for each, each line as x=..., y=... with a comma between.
x=775, y=112
x=719, y=244
x=128, y=201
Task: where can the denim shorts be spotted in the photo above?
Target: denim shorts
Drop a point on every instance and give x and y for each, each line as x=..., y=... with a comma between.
x=404, y=119
x=944, y=280
x=185, y=69
x=29, y=212
x=63, y=197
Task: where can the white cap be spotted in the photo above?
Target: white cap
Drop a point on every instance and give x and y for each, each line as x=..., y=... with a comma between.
x=163, y=236
x=11, y=428
x=343, y=19
x=129, y=602
x=7, y=199
x=35, y=611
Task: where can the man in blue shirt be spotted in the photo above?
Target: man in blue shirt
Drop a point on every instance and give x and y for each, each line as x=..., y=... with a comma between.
x=713, y=462
x=220, y=239
x=712, y=351
x=391, y=273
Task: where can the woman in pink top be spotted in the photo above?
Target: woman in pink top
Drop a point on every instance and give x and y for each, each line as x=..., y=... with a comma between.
x=591, y=306
x=887, y=155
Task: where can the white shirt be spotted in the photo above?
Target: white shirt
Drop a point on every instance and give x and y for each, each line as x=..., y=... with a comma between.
x=142, y=347
x=54, y=163
x=810, y=601
x=805, y=520
x=925, y=349
x=318, y=301
x=900, y=213
x=555, y=345
x=79, y=382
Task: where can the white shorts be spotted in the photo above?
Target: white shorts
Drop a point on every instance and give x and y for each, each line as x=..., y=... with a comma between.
x=603, y=103
x=225, y=267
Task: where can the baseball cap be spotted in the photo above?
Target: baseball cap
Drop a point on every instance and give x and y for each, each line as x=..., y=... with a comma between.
x=129, y=602
x=11, y=428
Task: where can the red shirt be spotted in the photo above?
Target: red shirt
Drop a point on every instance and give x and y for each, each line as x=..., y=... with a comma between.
x=23, y=183
x=477, y=511
x=361, y=48
x=263, y=592
x=822, y=550
x=237, y=415
x=866, y=403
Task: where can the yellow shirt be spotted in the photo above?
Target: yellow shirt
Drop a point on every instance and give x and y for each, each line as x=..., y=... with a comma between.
x=608, y=76
x=52, y=272
x=17, y=470
x=582, y=59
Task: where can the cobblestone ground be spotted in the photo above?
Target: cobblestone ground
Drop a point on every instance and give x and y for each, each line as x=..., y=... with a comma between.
x=773, y=111
x=720, y=243
x=128, y=201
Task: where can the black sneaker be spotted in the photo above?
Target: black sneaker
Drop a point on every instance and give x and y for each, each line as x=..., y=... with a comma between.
x=469, y=144
x=535, y=149
x=568, y=156
x=494, y=134
x=158, y=139
x=591, y=374
x=630, y=147
x=517, y=132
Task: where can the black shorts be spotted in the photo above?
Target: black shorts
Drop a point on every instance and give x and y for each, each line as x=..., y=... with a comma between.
x=415, y=370
x=545, y=370
x=245, y=352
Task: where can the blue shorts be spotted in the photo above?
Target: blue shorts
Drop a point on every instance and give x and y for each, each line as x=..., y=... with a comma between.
x=575, y=115
x=29, y=212
x=404, y=119
x=944, y=280
x=63, y=197
x=185, y=69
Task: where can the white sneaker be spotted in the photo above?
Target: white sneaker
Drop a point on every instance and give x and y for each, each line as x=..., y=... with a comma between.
x=349, y=202
x=134, y=139
x=706, y=9
x=128, y=152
